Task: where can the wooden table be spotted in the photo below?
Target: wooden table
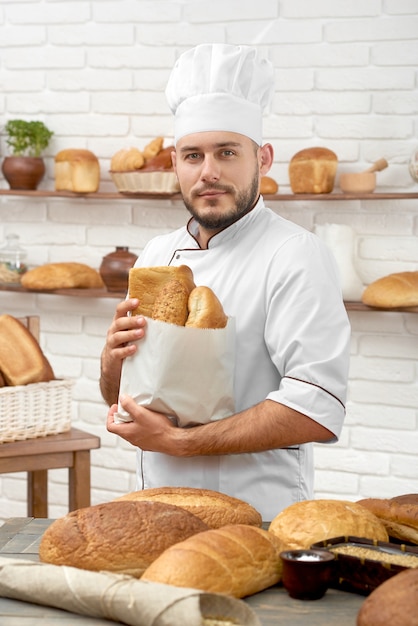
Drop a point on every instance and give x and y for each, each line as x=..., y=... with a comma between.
x=19, y=538
x=36, y=456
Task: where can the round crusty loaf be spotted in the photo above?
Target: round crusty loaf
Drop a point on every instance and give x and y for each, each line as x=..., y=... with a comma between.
x=304, y=523
x=268, y=185
x=393, y=603
x=122, y=537
x=393, y=291
x=65, y=275
x=399, y=515
x=214, y=508
x=205, y=310
x=236, y=560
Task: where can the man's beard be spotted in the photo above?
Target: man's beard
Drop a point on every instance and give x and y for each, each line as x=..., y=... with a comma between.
x=244, y=202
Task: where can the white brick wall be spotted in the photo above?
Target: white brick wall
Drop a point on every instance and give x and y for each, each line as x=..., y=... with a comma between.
x=346, y=78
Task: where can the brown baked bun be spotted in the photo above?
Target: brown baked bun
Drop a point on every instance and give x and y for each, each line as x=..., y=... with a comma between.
x=236, y=560
x=162, y=161
x=304, y=523
x=214, y=508
x=399, y=515
x=393, y=603
x=393, y=291
x=205, y=310
x=145, y=283
x=21, y=358
x=127, y=159
x=62, y=276
x=268, y=186
x=153, y=148
x=313, y=170
x=122, y=537
x=77, y=170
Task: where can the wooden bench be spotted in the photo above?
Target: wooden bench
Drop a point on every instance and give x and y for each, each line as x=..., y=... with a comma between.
x=36, y=456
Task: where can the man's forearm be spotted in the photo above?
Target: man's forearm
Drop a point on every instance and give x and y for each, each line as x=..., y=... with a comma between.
x=266, y=426
x=109, y=382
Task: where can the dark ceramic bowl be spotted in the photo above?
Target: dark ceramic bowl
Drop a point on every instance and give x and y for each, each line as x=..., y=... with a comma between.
x=307, y=574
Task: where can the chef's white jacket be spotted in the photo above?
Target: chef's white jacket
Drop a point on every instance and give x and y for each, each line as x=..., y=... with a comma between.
x=281, y=284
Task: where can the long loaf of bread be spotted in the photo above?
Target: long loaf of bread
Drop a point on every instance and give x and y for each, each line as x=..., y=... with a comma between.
x=122, y=537
x=214, y=508
x=21, y=358
x=236, y=560
x=399, y=515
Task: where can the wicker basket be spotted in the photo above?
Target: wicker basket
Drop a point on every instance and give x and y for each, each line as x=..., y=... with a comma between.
x=35, y=410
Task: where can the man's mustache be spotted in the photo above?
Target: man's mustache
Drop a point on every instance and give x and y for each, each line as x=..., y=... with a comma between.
x=212, y=187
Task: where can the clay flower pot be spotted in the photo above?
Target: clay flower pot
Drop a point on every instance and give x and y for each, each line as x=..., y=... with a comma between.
x=23, y=172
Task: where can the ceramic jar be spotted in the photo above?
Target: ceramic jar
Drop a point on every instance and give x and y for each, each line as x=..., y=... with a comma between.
x=115, y=267
x=23, y=172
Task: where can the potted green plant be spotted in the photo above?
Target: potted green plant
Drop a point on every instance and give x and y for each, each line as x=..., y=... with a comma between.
x=25, y=168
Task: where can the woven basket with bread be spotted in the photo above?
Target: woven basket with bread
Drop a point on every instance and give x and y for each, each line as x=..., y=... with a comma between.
x=144, y=171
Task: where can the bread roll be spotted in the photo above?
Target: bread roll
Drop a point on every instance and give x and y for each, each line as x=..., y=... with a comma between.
x=146, y=282
x=268, y=185
x=62, y=276
x=77, y=170
x=161, y=161
x=399, y=515
x=205, y=310
x=153, y=148
x=393, y=291
x=393, y=603
x=122, y=537
x=313, y=170
x=21, y=358
x=127, y=159
x=304, y=523
x=236, y=560
x=214, y=508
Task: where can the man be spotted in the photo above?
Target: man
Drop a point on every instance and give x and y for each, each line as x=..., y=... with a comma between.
x=277, y=280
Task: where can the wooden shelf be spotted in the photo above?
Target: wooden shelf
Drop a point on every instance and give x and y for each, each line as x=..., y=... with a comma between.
x=103, y=293
x=285, y=197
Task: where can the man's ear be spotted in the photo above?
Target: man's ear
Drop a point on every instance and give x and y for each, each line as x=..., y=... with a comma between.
x=266, y=156
x=173, y=159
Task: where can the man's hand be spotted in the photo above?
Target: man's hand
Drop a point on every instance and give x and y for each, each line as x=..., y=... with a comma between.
x=124, y=330
x=148, y=430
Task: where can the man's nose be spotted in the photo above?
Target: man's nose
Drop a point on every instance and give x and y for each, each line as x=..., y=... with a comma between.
x=210, y=169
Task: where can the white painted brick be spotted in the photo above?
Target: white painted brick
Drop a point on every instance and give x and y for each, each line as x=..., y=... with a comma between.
x=324, y=8
x=274, y=32
x=92, y=34
x=200, y=12
x=401, y=7
x=372, y=29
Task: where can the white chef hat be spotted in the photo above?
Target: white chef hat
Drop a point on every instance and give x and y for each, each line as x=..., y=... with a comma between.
x=220, y=87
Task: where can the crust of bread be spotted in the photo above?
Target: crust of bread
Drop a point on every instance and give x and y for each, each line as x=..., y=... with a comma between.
x=205, y=309
x=21, y=358
x=170, y=303
x=393, y=603
x=146, y=282
x=236, y=560
x=399, y=515
x=268, y=185
x=122, y=537
x=393, y=291
x=214, y=508
x=161, y=161
x=313, y=170
x=127, y=159
x=62, y=276
x=304, y=523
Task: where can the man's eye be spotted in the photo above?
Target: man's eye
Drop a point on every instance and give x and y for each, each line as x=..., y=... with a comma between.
x=192, y=156
x=228, y=153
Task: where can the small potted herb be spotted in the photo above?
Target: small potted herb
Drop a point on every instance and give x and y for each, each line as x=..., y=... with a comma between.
x=25, y=168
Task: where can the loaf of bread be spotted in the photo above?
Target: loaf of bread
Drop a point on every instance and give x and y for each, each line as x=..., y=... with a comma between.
x=69, y=275
x=122, y=537
x=268, y=186
x=313, y=170
x=236, y=560
x=145, y=283
x=22, y=360
x=304, y=523
x=205, y=309
x=170, y=295
x=393, y=603
x=77, y=170
x=399, y=515
x=216, y=509
x=126, y=160
x=161, y=161
x=393, y=291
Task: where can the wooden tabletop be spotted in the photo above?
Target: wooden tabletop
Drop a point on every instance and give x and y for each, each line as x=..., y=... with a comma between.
x=19, y=538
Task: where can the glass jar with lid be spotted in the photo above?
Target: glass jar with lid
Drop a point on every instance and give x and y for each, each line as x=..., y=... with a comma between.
x=12, y=260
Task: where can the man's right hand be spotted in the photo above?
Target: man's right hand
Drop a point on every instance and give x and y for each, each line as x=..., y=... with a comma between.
x=123, y=332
